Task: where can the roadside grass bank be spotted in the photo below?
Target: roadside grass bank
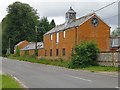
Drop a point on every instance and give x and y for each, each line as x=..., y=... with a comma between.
x=63, y=63
x=9, y=82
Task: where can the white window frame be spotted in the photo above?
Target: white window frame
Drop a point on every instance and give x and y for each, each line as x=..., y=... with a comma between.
x=57, y=37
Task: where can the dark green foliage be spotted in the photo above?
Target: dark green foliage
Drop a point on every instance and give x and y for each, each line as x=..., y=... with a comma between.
x=26, y=53
x=85, y=55
x=36, y=52
x=19, y=24
x=52, y=23
x=43, y=27
x=17, y=51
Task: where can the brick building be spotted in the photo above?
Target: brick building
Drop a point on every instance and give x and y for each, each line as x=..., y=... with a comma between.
x=61, y=40
x=21, y=45
x=30, y=49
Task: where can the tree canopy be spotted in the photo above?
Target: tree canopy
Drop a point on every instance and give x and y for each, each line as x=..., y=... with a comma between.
x=116, y=32
x=44, y=26
x=19, y=24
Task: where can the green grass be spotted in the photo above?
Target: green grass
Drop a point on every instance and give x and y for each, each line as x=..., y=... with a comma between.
x=9, y=82
x=63, y=63
x=101, y=68
x=0, y=82
x=58, y=62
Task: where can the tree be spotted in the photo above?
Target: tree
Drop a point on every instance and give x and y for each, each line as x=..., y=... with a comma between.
x=43, y=27
x=17, y=51
x=116, y=32
x=85, y=55
x=19, y=24
x=52, y=23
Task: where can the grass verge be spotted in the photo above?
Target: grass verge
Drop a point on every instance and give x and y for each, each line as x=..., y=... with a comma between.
x=9, y=82
x=63, y=63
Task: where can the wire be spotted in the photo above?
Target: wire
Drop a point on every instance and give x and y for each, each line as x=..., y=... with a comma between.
x=107, y=6
x=111, y=17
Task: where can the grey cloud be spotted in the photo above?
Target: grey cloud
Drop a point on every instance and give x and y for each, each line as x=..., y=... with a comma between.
x=57, y=9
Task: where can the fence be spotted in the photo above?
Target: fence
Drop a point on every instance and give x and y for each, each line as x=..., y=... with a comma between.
x=109, y=58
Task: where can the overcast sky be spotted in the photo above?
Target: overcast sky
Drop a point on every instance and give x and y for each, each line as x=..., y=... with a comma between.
x=56, y=9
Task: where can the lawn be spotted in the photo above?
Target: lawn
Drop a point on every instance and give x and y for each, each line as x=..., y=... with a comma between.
x=100, y=68
x=63, y=63
x=7, y=81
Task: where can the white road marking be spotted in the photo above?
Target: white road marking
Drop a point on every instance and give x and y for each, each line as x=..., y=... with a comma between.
x=24, y=86
x=79, y=78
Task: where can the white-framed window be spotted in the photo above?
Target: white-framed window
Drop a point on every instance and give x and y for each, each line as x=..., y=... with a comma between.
x=51, y=37
x=57, y=38
x=63, y=34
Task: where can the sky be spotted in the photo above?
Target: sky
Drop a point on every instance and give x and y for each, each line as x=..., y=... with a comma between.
x=56, y=9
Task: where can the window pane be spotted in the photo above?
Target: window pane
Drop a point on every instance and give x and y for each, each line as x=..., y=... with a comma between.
x=45, y=52
x=51, y=37
x=57, y=40
x=64, y=34
x=50, y=52
x=64, y=52
x=57, y=52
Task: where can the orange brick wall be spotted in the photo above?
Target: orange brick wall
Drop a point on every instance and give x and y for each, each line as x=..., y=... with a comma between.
x=68, y=43
x=101, y=34
x=31, y=52
x=22, y=53
x=41, y=52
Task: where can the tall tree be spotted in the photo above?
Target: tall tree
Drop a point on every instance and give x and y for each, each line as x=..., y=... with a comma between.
x=116, y=32
x=52, y=23
x=19, y=24
x=43, y=27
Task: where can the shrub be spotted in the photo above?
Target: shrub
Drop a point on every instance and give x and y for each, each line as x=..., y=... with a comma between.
x=26, y=53
x=36, y=52
x=85, y=55
x=17, y=51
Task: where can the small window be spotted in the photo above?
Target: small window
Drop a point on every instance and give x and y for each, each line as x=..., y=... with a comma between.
x=51, y=37
x=57, y=52
x=57, y=38
x=63, y=34
x=45, y=52
x=63, y=52
x=50, y=52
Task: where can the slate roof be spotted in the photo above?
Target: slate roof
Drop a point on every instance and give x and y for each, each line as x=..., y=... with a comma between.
x=115, y=42
x=31, y=46
x=73, y=23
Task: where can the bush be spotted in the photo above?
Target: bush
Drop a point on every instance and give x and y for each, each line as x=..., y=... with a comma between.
x=17, y=51
x=36, y=52
x=85, y=55
x=26, y=53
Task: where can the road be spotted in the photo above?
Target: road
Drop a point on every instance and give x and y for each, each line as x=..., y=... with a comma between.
x=33, y=75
